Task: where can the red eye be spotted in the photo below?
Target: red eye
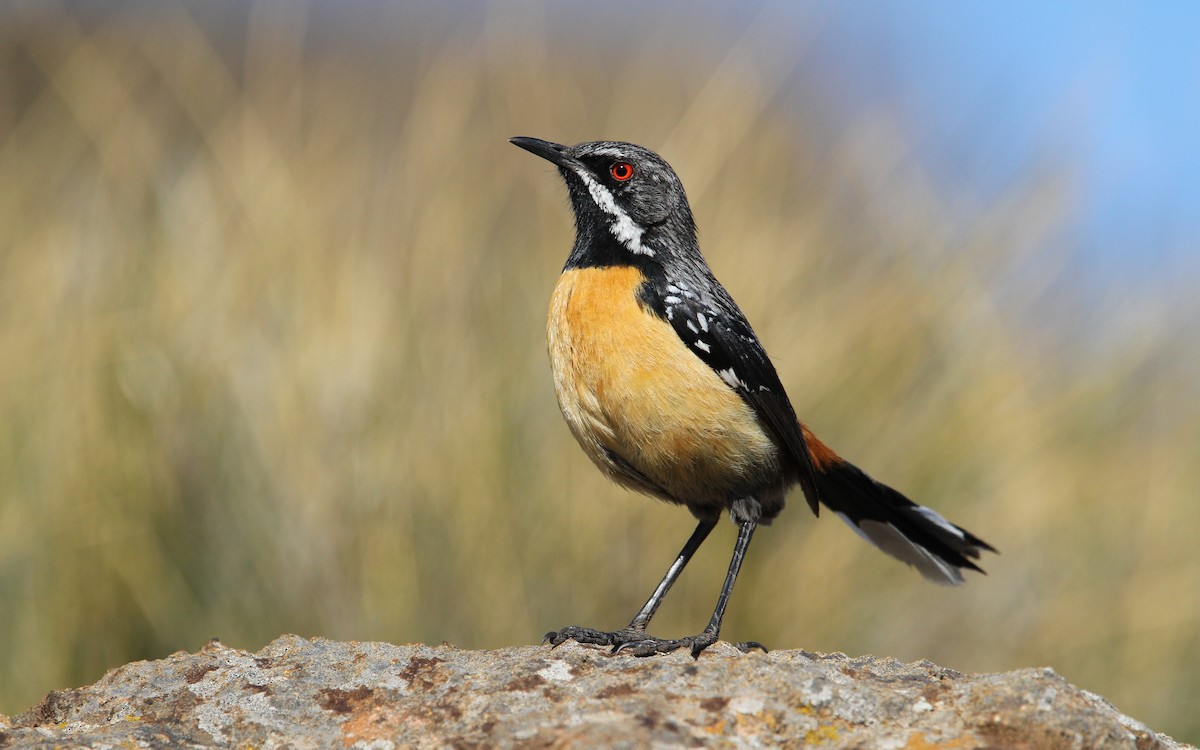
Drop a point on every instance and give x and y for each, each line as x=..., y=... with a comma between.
x=621, y=171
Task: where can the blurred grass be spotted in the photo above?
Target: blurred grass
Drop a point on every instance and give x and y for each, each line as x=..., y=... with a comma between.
x=271, y=326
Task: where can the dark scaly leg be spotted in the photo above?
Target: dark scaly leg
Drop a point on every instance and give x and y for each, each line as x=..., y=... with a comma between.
x=697, y=643
x=635, y=632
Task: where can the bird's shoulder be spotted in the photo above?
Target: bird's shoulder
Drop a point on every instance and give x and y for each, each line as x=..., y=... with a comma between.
x=712, y=326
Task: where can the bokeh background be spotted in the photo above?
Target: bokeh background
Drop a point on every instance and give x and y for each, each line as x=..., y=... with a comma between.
x=272, y=297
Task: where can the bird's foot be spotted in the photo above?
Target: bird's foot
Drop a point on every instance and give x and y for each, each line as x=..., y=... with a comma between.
x=648, y=646
x=635, y=641
x=630, y=640
x=598, y=637
x=694, y=643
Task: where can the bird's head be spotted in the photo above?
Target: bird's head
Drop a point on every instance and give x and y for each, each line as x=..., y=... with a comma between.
x=623, y=190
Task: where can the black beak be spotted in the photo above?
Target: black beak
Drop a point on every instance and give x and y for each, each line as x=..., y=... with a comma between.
x=555, y=153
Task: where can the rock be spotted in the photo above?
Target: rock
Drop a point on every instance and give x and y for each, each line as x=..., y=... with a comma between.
x=299, y=693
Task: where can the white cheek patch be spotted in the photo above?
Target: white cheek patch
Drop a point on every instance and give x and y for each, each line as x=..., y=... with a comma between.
x=625, y=229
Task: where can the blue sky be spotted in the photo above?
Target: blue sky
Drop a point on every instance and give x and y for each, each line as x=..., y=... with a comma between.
x=1110, y=91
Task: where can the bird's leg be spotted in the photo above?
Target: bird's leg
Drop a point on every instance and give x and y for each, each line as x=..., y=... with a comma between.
x=697, y=643
x=636, y=630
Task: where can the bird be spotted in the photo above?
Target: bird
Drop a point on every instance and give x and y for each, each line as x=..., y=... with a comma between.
x=669, y=391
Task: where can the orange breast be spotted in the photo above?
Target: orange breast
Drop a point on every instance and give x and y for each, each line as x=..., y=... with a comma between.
x=628, y=384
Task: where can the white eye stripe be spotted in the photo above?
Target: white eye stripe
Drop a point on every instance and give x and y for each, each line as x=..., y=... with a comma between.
x=627, y=231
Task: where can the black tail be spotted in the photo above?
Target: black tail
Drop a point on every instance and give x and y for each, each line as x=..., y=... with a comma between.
x=898, y=526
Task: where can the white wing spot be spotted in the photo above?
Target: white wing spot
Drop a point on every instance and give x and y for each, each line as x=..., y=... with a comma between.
x=731, y=379
x=703, y=322
x=692, y=327
x=703, y=346
x=672, y=300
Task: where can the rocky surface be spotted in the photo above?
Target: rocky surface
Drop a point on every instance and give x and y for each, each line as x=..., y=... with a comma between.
x=299, y=693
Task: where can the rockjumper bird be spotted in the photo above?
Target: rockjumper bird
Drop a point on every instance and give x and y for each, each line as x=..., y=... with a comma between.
x=669, y=392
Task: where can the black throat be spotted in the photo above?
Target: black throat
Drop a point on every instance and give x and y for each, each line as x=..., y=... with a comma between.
x=596, y=247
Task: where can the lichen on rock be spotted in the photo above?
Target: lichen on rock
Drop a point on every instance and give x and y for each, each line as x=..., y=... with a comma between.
x=300, y=693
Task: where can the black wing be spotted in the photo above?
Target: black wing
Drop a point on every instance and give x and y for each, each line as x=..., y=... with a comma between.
x=708, y=320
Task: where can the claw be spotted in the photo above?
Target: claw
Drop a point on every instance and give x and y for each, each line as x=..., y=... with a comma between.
x=634, y=647
x=580, y=635
x=747, y=646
